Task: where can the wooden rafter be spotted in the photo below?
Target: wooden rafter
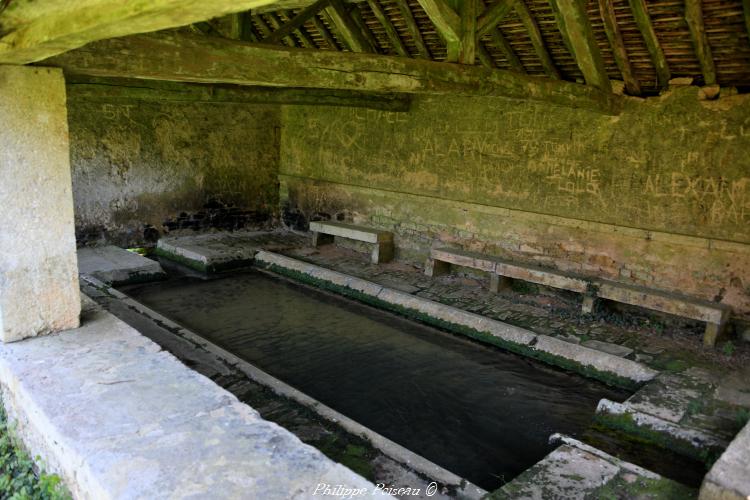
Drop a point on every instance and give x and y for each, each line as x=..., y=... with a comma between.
x=510, y=55
x=356, y=15
x=297, y=21
x=263, y=27
x=346, y=27
x=694, y=18
x=499, y=40
x=448, y=25
x=301, y=32
x=390, y=30
x=200, y=59
x=484, y=56
x=746, y=9
x=413, y=28
x=491, y=17
x=643, y=20
x=324, y=32
x=277, y=23
x=573, y=22
x=612, y=30
x=536, y=39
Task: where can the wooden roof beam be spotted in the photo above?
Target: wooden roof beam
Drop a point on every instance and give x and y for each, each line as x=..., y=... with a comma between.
x=694, y=18
x=573, y=22
x=612, y=30
x=297, y=22
x=491, y=17
x=643, y=20
x=200, y=59
x=37, y=29
x=347, y=28
x=242, y=28
x=414, y=31
x=536, y=39
x=390, y=30
x=448, y=25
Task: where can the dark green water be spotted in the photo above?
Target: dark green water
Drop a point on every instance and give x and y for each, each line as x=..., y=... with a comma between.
x=483, y=414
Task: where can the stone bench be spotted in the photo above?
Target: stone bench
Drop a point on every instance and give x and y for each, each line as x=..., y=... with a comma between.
x=502, y=271
x=714, y=315
x=324, y=232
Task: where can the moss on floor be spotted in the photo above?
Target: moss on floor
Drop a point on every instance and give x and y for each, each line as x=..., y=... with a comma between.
x=19, y=478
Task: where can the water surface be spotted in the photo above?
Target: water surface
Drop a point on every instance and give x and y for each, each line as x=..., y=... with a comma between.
x=481, y=413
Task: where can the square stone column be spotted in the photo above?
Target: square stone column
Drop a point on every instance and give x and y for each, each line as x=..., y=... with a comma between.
x=38, y=269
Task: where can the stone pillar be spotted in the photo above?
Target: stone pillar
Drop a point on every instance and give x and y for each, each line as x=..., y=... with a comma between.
x=38, y=270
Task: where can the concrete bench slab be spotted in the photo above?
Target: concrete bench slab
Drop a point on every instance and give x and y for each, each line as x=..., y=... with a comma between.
x=501, y=270
x=715, y=315
x=324, y=232
x=442, y=258
x=116, y=266
x=117, y=417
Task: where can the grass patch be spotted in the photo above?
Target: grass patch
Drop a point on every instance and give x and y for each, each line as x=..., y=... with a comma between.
x=18, y=478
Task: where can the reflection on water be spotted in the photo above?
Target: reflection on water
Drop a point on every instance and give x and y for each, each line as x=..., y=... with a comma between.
x=481, y=413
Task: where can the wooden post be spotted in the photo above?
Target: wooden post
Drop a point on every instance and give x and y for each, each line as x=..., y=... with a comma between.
x=468, y=46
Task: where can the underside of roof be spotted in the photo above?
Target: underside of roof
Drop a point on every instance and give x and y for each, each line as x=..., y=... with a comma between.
x=725, y=26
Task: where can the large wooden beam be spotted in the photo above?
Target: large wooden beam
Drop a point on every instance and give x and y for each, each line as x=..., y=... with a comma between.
x=297, y=22
x=390, y=30
x=118, y=90
x=347, y=28
x=414, y=31
x=643, y=20
x=573, y=21
x=37, y=29
x=694, y=18
x=536, y=39
x=612, y=30
x=198, y=59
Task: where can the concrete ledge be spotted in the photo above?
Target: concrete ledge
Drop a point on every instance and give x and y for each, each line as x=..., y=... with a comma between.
x=681, y=439
x=117, y=417
x=209, y=252
x=589, y=362
x=116, y=266
x=728, y=479
x=577, y=470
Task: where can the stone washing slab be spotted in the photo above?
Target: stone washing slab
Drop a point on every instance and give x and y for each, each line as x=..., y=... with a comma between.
x=117, y=417
x=116, y=266
x=512, y=336
x=210, y=252
x=729, y=478
x=576, y=470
